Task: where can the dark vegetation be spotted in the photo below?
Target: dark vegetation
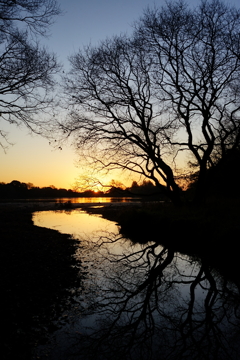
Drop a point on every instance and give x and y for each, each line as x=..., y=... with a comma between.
x=19, y=190
x=222, y=179
x=36, y=272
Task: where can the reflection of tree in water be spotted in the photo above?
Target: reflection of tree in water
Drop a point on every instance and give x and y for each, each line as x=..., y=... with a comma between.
x=151, y=303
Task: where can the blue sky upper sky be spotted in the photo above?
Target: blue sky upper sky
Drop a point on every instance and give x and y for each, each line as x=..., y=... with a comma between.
x=31, y=158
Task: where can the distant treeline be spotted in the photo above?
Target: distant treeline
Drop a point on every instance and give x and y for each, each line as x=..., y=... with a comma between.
x=20, y=190
x=146, y=188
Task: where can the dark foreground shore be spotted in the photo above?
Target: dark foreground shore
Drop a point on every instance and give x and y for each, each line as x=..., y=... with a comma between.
x=38, y=264
x=36, y=271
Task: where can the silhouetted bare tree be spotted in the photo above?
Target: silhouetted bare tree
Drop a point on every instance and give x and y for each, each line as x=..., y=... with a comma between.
x=26, y=69
x=171, y=88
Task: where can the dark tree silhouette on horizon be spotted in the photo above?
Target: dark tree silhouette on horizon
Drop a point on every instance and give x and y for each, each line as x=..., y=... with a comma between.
x=167, y=94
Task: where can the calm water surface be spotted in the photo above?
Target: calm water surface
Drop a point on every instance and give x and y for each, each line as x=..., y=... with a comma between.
x=140, y=301
x=74, y=222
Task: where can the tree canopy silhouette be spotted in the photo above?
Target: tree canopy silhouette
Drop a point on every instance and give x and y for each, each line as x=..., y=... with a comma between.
x=163, y=98
x=27, y=69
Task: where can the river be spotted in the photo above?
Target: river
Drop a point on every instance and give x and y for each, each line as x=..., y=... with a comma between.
x=140, y=301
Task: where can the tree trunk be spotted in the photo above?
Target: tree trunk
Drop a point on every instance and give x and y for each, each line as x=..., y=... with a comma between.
x=200, y=192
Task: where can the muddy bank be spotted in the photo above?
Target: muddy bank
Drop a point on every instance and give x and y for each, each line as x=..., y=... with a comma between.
x=36, y=267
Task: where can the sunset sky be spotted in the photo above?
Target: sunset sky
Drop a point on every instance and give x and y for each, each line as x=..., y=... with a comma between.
x=31, y=158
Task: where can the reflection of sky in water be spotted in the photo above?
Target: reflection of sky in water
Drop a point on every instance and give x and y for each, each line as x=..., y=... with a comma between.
x=180, y=300
x=83, y=226
x=74, y=222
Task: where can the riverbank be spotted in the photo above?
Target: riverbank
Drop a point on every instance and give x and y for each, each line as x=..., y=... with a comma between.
x=210, y=232
x=36, y=271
